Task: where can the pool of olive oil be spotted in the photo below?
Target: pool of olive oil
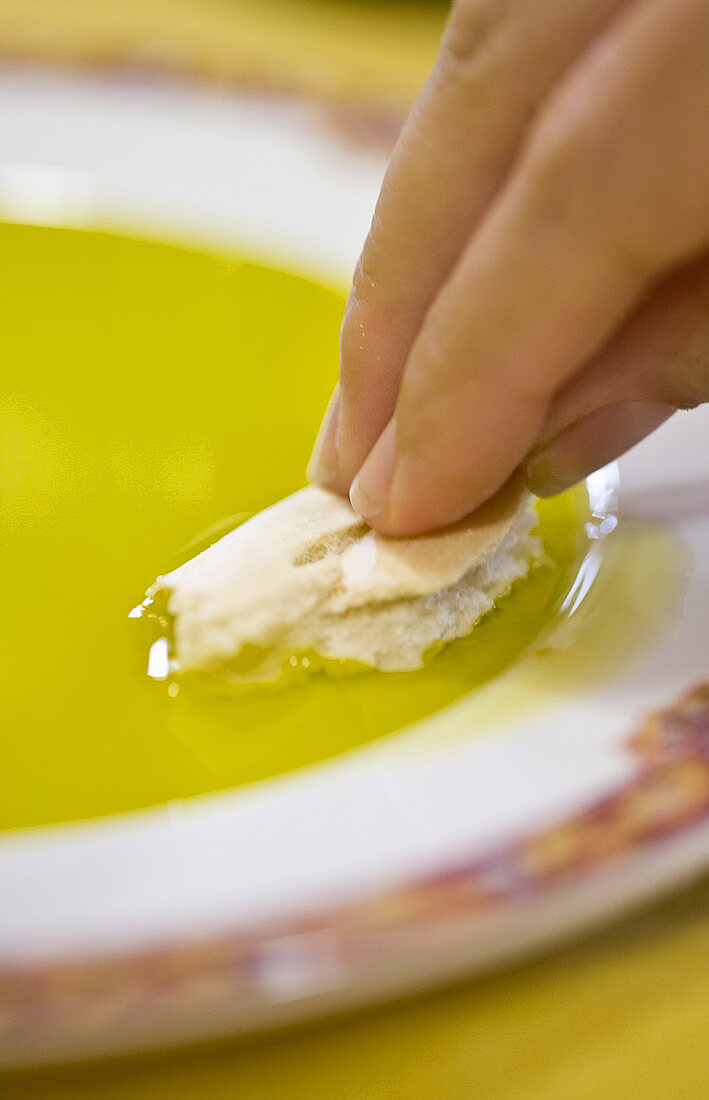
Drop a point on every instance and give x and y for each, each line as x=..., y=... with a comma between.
x=146, y=392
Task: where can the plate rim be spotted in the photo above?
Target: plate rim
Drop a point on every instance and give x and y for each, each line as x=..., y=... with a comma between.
x=43, y=954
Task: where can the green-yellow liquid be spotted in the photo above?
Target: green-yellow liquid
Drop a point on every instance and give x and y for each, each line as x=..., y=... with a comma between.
x=146, y=391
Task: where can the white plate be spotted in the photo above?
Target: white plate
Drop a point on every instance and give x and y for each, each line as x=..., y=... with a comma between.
x=430, y=853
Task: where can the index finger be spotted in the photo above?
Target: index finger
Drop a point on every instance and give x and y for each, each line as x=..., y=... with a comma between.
x=610, y=193
x=497, y=61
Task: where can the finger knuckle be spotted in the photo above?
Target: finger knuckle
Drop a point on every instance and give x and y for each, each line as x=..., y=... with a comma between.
x=471, y=27
x=572, y=189
x=431, y=369
x=558, y=173
x=427, y=385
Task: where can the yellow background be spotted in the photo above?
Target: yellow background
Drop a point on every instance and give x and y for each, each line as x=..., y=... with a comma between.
x=622, y=1014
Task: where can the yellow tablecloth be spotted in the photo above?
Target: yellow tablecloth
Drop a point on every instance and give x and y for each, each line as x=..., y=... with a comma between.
x=361, y=51
x=622, y=1014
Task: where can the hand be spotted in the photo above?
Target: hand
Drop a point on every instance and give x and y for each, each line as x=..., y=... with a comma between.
x=535, y=285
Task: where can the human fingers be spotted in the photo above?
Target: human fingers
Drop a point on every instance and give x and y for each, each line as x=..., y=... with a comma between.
x=658, y=362
x=592, y=442
x=497, y=62
x=610, y=193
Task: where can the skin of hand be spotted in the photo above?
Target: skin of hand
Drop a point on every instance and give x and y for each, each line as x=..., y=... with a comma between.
x=534, y=289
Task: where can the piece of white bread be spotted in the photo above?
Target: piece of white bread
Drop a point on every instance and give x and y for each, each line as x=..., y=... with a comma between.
x=308, y=575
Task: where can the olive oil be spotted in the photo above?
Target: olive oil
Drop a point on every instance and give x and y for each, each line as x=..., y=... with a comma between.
x=147, y=391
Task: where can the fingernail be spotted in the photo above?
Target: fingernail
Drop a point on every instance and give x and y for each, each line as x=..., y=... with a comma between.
x=370, y=488
x=323, y=467
x=543, y=477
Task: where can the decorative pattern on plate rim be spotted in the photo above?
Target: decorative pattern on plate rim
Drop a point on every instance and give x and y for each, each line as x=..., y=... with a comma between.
x=98, y=1005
